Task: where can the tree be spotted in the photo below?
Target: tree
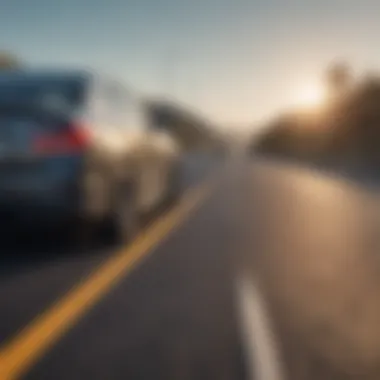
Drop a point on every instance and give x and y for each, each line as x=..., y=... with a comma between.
x=348, y=129
x=189, y=129
x=8, y=61
x=338, y=79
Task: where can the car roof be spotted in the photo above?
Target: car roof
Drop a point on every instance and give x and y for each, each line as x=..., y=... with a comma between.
x=46, y=75
x=76, y=75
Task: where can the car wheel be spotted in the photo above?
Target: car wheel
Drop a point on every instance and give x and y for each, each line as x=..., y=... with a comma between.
x=80, y=233
x=174, y=185
x=123, y=224
x=82, y=230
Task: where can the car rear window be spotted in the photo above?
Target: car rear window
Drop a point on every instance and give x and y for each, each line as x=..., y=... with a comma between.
x=47, y=92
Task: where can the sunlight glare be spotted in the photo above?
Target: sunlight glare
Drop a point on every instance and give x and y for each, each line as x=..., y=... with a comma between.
x=310, y=96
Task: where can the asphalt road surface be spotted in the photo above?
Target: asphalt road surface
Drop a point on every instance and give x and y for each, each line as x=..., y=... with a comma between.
x=313, y=251
x=264, y=271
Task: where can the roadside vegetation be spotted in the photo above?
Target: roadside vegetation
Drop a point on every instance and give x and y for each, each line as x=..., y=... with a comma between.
x=193, y=132
x=8, y=61
x=346, y=128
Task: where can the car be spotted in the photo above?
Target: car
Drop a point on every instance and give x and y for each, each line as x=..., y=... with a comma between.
x=76, y=150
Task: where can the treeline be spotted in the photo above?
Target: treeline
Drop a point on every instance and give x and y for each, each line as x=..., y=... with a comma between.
x=347, y=127
x=8, y=61
x=190, y=130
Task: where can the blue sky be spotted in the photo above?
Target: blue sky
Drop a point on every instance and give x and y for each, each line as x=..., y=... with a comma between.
x=235, y=61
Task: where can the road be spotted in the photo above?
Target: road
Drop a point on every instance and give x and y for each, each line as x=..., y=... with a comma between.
x=312, y=244
x=172, y=306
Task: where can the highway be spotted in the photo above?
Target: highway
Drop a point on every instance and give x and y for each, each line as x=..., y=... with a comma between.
x=311, y=245
x=172, y=305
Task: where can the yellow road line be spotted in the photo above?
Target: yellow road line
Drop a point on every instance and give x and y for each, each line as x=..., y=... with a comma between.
x=25, y=349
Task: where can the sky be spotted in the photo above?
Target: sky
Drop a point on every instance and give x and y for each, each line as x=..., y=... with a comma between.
x=237, y=62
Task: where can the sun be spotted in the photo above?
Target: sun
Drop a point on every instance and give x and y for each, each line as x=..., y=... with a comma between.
x=310, y=96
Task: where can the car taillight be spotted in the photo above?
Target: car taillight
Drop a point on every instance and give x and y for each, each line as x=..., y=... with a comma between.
x=72, y=138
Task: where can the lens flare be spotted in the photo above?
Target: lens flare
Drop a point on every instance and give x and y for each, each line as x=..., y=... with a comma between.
x=310, y=96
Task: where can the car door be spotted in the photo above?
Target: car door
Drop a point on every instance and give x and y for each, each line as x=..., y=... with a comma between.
x=150, y=186
x=166, y=155
x=99, y=167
